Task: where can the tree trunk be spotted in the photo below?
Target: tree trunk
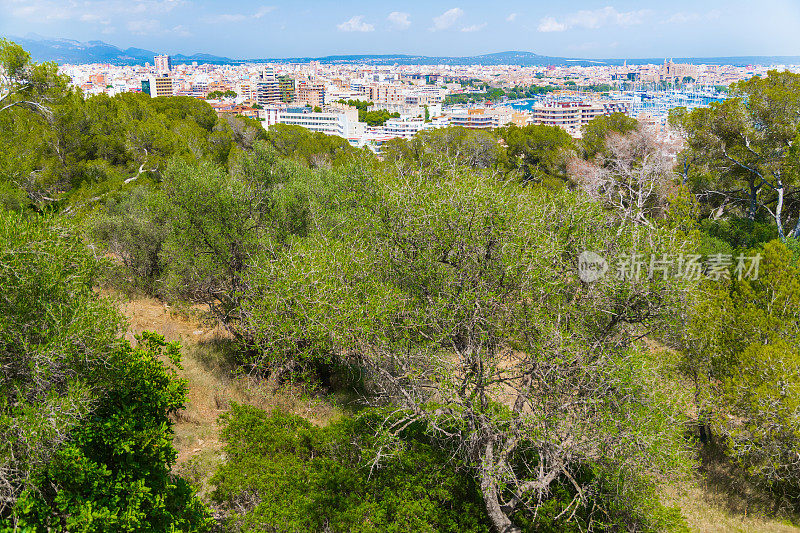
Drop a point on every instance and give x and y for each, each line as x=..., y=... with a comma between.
x=778, y=210
x=796, y=231
x=501, y=522
x=753, y=202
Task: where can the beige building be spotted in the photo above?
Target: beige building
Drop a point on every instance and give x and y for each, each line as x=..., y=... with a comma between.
x=310, y=93
x=481, y=119
x=162, y=86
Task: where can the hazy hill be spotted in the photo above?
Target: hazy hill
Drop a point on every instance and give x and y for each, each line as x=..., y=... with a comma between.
x=70, y=51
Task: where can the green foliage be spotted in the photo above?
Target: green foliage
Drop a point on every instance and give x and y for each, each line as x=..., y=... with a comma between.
x=134, y=229
x=56, y=339
x=114, y=473
x=742, y=151
x=743, y=351
x=595, y=133
x=195, y=235
x=314, y=148
x=377, y=118
x=528, y=92
x=431, y=282
x=216, y=95
x=740, y=233
x=372, y=118
x=284, y=474
x=468, y=98
x=90, y=147
x=442, y=149
x=84, y=416
x=539, y=153
x=25, y=84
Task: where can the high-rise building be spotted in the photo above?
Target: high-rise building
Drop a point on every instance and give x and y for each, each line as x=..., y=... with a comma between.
x=265, y=88
x=286, y=86
x=163, y=64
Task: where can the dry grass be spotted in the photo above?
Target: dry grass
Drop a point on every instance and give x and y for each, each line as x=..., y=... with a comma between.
x=722, y=500
x=209, y=368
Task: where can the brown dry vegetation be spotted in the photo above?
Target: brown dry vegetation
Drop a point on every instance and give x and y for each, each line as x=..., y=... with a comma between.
x=213, y=383
x=717, y=501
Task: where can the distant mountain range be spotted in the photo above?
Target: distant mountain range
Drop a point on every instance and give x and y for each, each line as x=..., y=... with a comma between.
x=69, y=51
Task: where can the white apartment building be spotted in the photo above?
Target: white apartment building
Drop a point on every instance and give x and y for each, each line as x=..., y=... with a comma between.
x=405, y=109
x=480, y=118
x=405, y=127
x=341, y=121
x=573, y=115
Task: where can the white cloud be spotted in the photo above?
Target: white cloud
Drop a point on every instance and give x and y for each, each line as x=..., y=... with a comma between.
x=447, y=19
x=144, y=6
x=95, y=17
x=39, y=10
x=690, y=18
x=474, y=27
x=264, y=11
x=181, y=31
x=399, y=20
x=238, y=17
x=227, y=17
x=356, y=24
x=593, y=19
x=549, y=24
x=94, y=11
x=143, y=27
x=511, y=17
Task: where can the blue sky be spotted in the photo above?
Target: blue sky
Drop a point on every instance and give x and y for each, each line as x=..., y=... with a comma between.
x=281, y=28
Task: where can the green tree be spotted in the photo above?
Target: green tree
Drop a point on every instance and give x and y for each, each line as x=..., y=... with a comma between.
x=27, y=84
x=745, y=147
x=595, y=133
x=460, y=297
x=742, y=351
x=444, y=149
x=218, y=221
x=539, y=153
x=312, y=147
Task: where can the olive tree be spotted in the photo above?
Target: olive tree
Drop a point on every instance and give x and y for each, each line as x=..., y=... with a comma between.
x=218, y=221
x=461, y=298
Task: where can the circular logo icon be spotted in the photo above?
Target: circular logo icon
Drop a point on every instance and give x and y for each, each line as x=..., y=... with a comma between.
x=591, y=266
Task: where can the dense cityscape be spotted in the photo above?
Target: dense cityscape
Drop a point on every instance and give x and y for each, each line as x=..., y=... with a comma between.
x=414, y=98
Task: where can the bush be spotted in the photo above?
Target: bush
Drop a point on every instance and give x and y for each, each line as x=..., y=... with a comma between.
x=84, y=417
x=114, y=473
x=284, y=474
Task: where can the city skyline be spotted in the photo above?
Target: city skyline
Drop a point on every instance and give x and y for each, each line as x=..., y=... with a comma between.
x=279, y=29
